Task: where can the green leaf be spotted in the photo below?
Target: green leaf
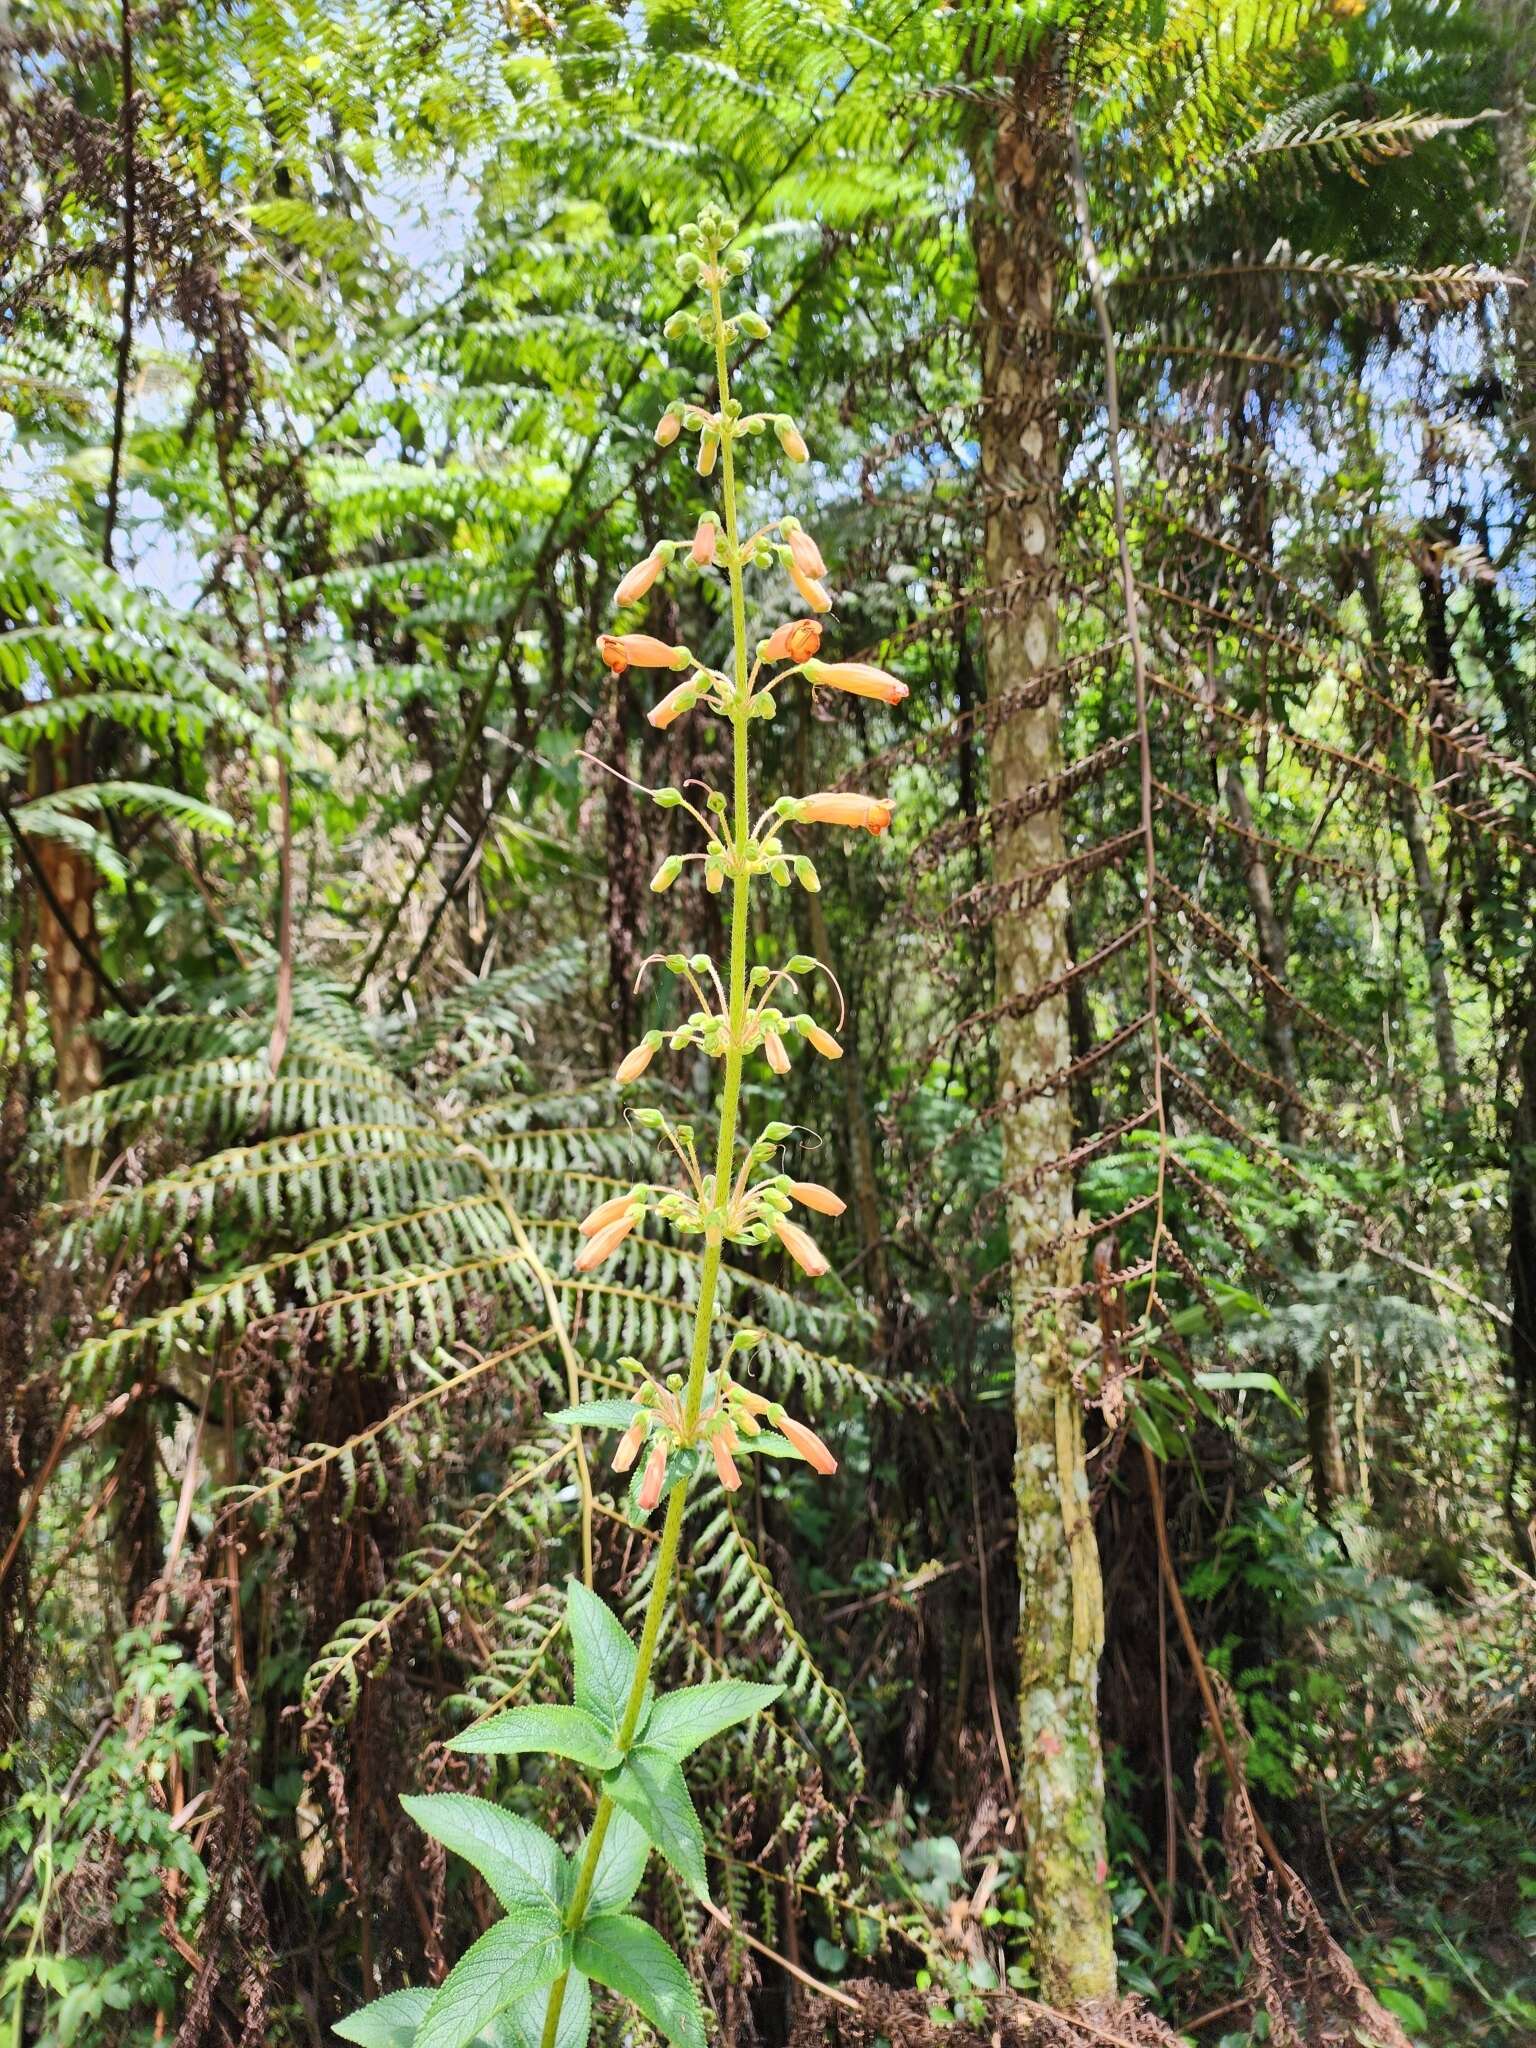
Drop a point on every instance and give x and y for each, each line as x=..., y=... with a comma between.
x=595, y=1415
x=388, y=2022
x=633, y=1960
x=620, y=1863
x=1404, y=2006
x=604, y=1656
x=562, y=1731
x=1257, y=1382
x=680, y=1721
x=651, y=1787
x=522, y=2024
x=518, y=1861
x=517, y=1955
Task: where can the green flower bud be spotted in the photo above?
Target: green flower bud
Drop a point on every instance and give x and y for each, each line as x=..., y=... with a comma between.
x=800, y=963
x=776, y=1133
x=754, y=325
x=679, y=325
x=667, y=873
x=668, y=798
x=806, y=875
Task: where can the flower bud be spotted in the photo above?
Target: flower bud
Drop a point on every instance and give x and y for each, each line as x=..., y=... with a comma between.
x=667, y=873
x=603, y=1244
x=795, y=640
x=823, y=1041
x=667, y=429
x=630, y=1442
x=639, y=650
x=810, y=1194
x=813, y=592
x=802, y=1247
x=677, y=326
x=773, y=1047
x=709, y=448
x=655, y=1473
x=858, y=678
x=641, y=577
x=673, y=705
x=807, y=1443
x=791, y=440
x=705, y=536
x=604, y=1214
x=804, y=552
x=725, y=1464
x=839, y=807
x=806, y=875
x=635, y=1062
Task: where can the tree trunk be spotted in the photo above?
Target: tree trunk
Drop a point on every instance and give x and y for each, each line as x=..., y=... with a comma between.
x=1020, y=190
x=1330, y=1484
x=1410, y=822
x=1522, y=1281
x=1274, y=951
x=66, y=911
x=1441, y=1009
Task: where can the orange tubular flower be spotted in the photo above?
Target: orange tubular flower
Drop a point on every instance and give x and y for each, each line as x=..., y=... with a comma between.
x=808, y=1444
x=858, y=678
x=603, y=1244
x=802, y=1247
x=773, y=1046
x=795, y=640
x=725, y=1464
x=824, y=1042
x=702, y=553
x=810, y=1194
x=604, y=1214
x=673, y=705
x=634, y=1063
x=655, y=1472
x=640, y=578
x=805, y=554
x=837, y=807
x=639, y=650
x=813, y=592
x=630, y=1442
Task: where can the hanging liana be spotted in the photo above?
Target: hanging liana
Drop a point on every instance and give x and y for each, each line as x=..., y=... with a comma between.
x=527, y=1979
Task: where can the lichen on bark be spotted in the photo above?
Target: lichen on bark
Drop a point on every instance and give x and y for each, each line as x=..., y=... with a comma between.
x=1020, y=191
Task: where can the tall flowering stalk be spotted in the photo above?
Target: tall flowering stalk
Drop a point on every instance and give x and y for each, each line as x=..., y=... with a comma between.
x=527, y=1979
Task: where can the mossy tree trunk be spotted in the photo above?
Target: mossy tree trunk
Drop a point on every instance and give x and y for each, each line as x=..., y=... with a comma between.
x=1019, y=204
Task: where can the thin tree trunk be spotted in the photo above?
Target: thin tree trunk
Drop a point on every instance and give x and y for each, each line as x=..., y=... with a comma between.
x=1274, y=952
x=1442, y=1012
x=70, y=988
x=1410, y=822
x=1020, y=188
